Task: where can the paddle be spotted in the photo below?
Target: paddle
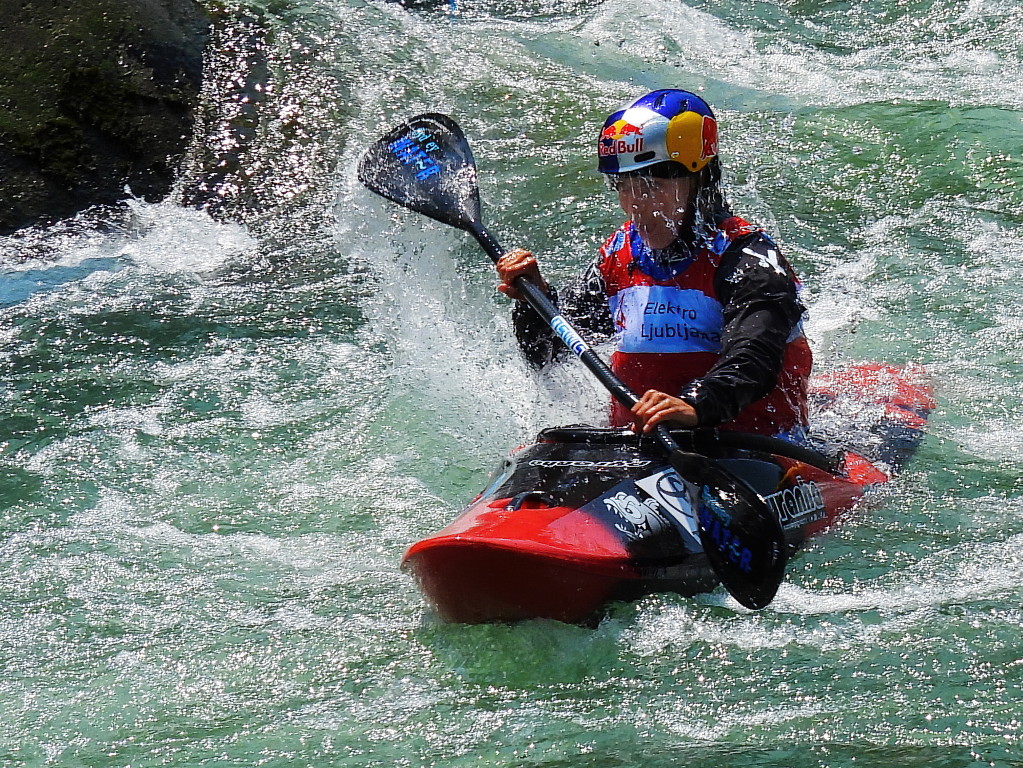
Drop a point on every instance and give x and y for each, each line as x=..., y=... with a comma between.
x=425, y=164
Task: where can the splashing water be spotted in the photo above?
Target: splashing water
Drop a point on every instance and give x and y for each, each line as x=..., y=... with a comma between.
x=222, y=427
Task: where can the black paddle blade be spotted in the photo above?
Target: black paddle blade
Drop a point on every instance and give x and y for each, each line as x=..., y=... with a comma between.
x=740, y=535
x=425, y=164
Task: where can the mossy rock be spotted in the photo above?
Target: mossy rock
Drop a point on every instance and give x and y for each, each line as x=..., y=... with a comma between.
x=94, y=97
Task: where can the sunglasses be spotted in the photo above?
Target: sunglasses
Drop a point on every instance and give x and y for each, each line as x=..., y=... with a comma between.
x=666, y=170
x=616, y=181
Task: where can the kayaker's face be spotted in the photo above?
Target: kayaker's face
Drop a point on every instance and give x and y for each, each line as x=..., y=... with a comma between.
x=658, y=207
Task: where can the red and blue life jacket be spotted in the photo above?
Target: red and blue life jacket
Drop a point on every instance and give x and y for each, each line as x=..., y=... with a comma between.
x=669, y=326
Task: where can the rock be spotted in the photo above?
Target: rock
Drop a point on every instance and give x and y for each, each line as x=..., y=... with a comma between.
x=94, y=97
x=276, y=115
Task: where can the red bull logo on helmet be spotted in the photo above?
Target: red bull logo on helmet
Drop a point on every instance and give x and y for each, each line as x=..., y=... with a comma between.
x=710, y=138
x=665, y=125
x=620, y=138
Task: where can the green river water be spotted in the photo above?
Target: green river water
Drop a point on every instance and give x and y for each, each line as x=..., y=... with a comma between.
x=219, y=434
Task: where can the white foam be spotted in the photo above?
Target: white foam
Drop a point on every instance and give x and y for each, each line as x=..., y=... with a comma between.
x=839, y=303
x=453, y=345
x=169, y=238
x=900, y=602
x=997, y=441
x=664, y=34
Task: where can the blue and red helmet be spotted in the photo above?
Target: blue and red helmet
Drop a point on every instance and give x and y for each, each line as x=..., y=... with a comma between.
x=664, y=126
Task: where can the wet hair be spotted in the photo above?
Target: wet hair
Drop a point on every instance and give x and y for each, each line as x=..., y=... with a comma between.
x=711, y=205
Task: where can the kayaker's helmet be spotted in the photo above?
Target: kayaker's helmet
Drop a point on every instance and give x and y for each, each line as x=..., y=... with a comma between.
x=665, y=134
x=669, y=125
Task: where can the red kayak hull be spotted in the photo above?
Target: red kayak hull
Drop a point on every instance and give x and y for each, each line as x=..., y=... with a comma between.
x=470, y=582
x=586, y=516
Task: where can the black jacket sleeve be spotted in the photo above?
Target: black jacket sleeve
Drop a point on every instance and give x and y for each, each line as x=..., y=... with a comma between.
x=757, y=289
x=584, y=305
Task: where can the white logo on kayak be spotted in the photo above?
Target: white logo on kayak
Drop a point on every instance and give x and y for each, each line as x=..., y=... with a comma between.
x=642, y=515
x=800, y=504
x=582, y=463
x=667, y=488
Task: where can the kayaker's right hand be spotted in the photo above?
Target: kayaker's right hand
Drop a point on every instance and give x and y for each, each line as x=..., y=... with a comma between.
x=655, y=408
x=519, y=262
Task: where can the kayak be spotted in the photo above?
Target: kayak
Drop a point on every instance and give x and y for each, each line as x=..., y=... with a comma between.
x=586, y=515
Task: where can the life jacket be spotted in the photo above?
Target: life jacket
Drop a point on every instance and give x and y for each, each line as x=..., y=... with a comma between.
x=669, y=330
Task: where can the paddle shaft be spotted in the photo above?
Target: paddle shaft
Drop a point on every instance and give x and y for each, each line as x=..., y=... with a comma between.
x=548, y=310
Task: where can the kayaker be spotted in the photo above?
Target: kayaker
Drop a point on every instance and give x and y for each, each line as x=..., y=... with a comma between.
x=703, y=308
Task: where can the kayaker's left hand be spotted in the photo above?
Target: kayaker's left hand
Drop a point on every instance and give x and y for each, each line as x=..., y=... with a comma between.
x=656, y=407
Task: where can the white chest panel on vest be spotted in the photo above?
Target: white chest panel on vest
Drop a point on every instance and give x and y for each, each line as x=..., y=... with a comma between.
x=665, y=319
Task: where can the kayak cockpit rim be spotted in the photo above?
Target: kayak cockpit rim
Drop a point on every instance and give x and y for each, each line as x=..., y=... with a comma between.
x=708, y=442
